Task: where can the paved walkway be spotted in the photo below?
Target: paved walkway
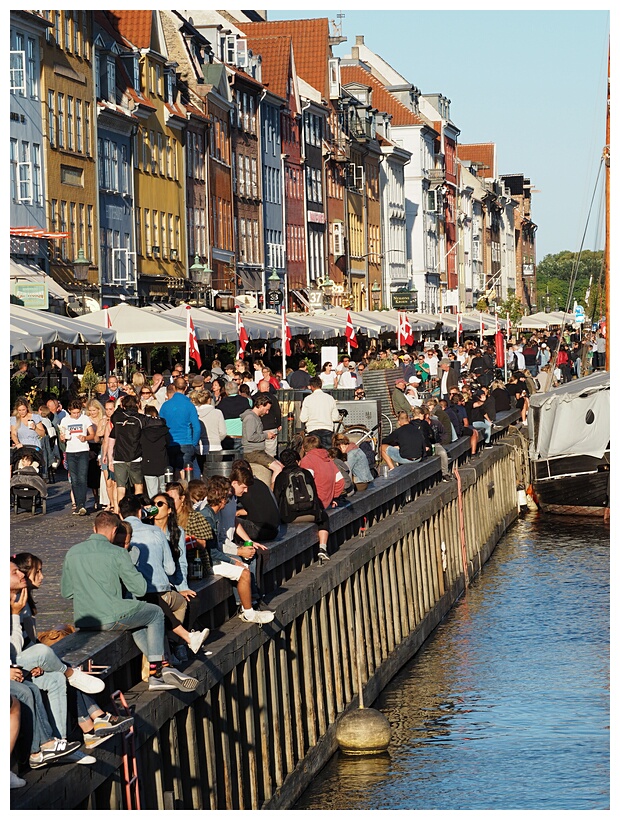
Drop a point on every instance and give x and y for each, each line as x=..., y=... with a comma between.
x=49, y=537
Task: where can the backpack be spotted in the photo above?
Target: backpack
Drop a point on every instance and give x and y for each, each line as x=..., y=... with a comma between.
x=299, y=495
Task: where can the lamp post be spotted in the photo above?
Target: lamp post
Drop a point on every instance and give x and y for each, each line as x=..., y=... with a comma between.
x=327, y=286
x=376, y=295
x=80, y=274
x=274, y=294
x=201, y=275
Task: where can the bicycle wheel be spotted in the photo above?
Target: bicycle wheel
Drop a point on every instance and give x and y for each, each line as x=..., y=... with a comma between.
x=386, y=425
x=357, y=434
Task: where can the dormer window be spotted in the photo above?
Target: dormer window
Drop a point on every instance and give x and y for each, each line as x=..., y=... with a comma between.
x=169, y=87
x=111, y=79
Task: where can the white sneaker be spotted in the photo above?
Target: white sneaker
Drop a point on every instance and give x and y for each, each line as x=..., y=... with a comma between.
x=80, y=757
x=178, y=680
x=86, y=683
x=196, y=640
x=16, y=781
x=253, y=616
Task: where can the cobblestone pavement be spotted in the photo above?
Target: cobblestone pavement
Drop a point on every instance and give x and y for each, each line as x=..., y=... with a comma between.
x=49, y=537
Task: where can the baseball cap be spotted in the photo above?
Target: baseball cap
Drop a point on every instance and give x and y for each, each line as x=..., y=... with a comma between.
x=352, y=366
x=414, y=380
x=400, y=380
x=197, y=381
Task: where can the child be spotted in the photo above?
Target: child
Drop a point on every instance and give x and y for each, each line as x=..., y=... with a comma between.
x=27, y=465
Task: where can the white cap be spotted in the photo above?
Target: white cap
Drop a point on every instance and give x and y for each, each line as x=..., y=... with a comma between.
x=414, y=380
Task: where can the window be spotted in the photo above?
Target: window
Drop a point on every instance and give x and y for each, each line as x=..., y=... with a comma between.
x=139, y=231
x=78, y=126
x=54, y=215
x=144, y=151
x=89, y=233
x=14, y=170
x=60, y=116
x=254, y=178
x=160, y=152
x=70, y=123
x=168, y=157
x=81, y=226
x=76, y=34
x=114, y=166
x=334, y=79
x=87, y=128
x=18, y=74
x=153, y=147
x=164, y=235
x=100, y=163
x=68, y=22
x=124, y=181
x=32, y=75
x=63, y=228
x=337, y=239
x=57, y=26
x=147, y=230
x=72, y=230
x=51, y=119
x=158, y=80
x=111, y=79
x=85, y=38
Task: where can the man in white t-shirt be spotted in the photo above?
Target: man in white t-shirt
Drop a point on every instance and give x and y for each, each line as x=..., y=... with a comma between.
x=76, y=430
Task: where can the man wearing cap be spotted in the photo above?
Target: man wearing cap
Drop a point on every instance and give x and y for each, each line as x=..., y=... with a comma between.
x=448, y=378
x=198, y=383
x=348, y=377
x=399, y=400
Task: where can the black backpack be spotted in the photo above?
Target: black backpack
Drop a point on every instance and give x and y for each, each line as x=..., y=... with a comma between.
x=299, y=495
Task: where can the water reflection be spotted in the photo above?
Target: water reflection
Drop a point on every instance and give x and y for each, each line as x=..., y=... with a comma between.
x=507, y=705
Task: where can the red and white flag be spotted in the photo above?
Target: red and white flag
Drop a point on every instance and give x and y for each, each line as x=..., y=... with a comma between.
x=350, y=332
x=241, y=332
x=109, y=348
x=482, y=329
x=407, y=331
x=459, y=328
x=286, y=334
x=192, y=342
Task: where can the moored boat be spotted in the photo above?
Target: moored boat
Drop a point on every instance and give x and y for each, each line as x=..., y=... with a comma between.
x=569, y=446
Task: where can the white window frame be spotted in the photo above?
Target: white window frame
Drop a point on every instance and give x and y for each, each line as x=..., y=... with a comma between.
x=18, y=73
x=24, y=174
x=337, y=239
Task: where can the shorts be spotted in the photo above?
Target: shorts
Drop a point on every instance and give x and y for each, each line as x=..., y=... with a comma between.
x=394, y=455
x=259, y=457
x=128, y=473
x=231, y=571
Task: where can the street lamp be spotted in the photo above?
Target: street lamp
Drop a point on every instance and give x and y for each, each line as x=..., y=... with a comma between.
x=327, y=286
x=201, y=275
x=376, y=294
x=274, y=294
x=80, y=274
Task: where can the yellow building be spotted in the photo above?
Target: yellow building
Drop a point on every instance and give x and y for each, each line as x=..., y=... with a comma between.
x=159, y=161
x=69, y=121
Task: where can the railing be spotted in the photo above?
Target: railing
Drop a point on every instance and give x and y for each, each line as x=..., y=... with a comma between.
x=262, y=721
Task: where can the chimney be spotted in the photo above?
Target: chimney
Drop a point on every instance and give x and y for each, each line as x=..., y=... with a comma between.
x=359, y=39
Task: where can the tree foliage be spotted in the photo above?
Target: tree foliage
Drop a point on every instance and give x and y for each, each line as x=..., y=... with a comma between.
x=553, y=276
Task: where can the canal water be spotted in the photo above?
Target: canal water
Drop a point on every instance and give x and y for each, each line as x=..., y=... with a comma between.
x=506, y=706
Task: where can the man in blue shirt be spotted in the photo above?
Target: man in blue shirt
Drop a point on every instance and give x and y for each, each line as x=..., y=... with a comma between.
x=182, y=419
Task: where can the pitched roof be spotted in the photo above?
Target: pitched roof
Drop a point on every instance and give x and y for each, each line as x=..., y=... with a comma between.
x=479, y=152
x=310, y=46
x=134, y=26
x=382, y=99
x=276, y=61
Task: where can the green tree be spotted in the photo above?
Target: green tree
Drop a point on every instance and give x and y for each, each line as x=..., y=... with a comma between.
x=553, y=277
x=511, y=307
x=90, y=380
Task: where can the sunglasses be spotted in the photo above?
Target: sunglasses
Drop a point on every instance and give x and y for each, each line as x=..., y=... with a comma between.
x=145, y=393
x=160, y=504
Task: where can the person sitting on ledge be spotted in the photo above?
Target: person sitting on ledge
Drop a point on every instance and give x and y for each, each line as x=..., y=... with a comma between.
x=92, y=573
x=403, y=445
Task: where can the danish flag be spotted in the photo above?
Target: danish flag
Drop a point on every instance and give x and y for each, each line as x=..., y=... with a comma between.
x=241, y=332
x=286, y=334
x=350, y=332
x=405, y=333
x=192, y=344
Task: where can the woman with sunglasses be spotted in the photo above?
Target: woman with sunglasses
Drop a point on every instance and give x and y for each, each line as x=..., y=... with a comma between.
x=147, y=399
x=164, y=568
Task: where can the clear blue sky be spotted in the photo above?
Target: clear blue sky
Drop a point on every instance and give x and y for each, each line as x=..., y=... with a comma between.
x=532, y=82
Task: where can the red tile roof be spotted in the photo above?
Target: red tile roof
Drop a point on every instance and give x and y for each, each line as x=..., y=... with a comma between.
x=135, y=26
x=382, y=99
x=480, y=152
x=276, y=61
x=310, y=46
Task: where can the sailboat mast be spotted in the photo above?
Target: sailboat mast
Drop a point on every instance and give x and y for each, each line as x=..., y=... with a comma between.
x=607, y=201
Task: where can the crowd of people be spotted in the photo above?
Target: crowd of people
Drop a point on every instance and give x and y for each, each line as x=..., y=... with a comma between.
x=140, y=449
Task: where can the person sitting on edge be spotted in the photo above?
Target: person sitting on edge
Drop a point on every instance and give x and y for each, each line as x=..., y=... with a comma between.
x=404, y=444
x=92, y=573
x=228, y=566
x=256, y=505
x=357, y=460
x=318, y=413
x=298, y=499
x=254, y=437
x=154, y=560
x=327, y=477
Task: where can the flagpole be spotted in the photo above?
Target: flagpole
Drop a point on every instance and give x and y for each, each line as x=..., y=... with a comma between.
x=106, y=324
x=283, y=333
x=188, y=312
x=237, y=328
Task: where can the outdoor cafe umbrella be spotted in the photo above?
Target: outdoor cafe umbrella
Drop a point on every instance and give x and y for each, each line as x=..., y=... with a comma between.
x=135, y=326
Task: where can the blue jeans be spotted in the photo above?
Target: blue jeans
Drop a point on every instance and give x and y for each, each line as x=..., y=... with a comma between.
x=34, y=716
x=486, y=426
x=147, y=630
x=52, y=681
x=77, y=464
x=181, y=455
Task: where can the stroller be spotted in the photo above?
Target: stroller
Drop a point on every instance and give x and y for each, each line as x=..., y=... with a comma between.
x=27, y=486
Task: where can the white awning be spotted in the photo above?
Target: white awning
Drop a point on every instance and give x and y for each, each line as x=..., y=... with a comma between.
x=135, y=326
x=53, y=328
